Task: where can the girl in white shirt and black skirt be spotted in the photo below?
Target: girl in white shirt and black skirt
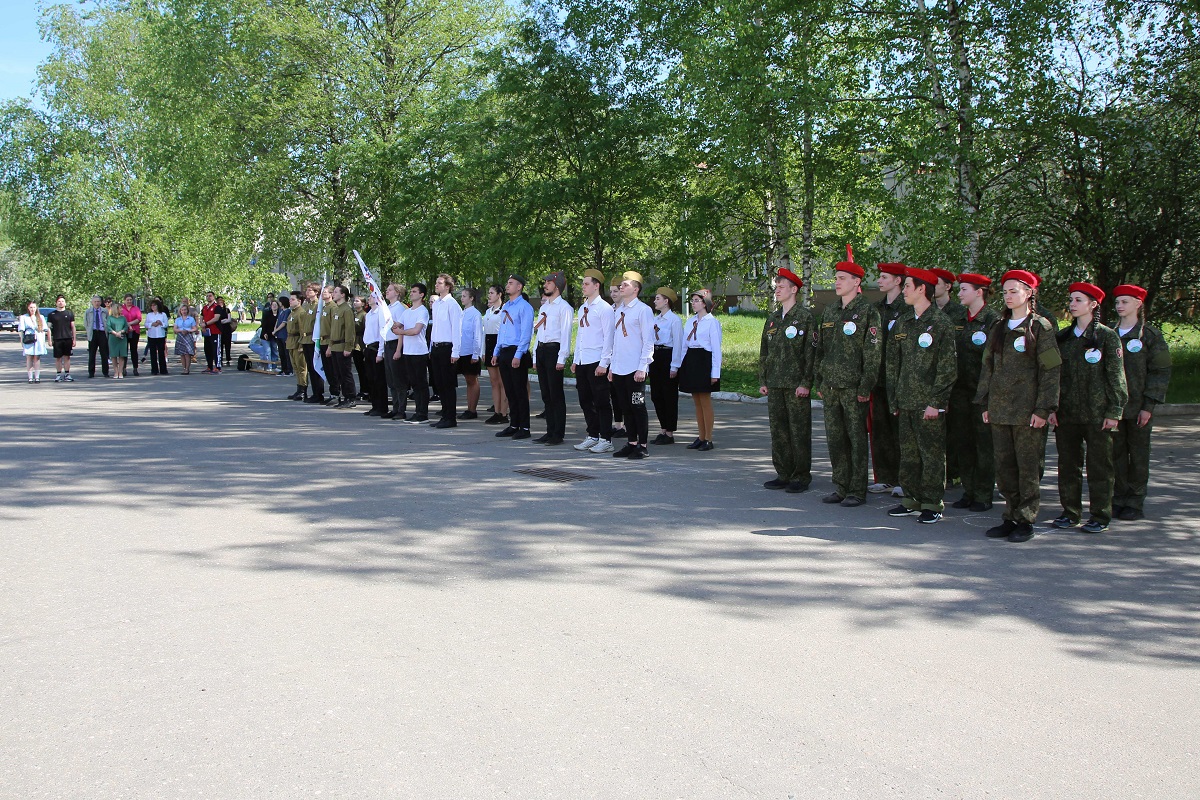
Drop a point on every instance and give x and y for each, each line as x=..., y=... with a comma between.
x=700, y=373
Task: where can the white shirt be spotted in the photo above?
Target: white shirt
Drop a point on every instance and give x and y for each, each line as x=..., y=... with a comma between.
x=492, y=319
x=553, y=325
x=397, y=308
x=415, y=344
x=1013, y=324
x=668, y=332
x=593, y=332
x=447, y=322
x=706, y=334
x=371, y=327
x=153, y=332
x=473, y=323
x=632, y=338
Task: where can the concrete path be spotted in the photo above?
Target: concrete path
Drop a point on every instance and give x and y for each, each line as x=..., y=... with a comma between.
x=212, y=592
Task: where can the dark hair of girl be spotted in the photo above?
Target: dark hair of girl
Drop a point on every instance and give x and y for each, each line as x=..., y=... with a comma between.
x=1089, y=336
x=1002, y=325
x=472, y=292
x=499, y=289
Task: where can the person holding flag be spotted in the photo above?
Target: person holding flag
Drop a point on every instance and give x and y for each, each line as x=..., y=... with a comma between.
x=309, y=334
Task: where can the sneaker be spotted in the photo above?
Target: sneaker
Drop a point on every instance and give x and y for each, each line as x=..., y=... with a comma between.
x=961, y=503
x=587, y=444
x=417, y=419
x=509, y=431
x=1093, y=526
x=58, y=378
x=696, y=445
x=68, y=379
x=929, y=516
x=897, y=491
x=638, y=453
x=625, y=451
x=447, y=422
x=706, y=446
x=617, y=433
x=1064, y=522
x=797, y=487
x=496, y=419
x=851, y=502
x=832, y=497
x=545, y=437
x=901, y=511
x=1023, y=533
x=468, y=415
x=1001, y=531
x=879, y=488
x=602, y=446
x=775, y=483
x=663, y=438
x=979, y=507
x=523, y=433
x=1131, y=514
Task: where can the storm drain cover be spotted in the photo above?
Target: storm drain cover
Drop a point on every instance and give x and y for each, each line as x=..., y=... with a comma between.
x=559, y=475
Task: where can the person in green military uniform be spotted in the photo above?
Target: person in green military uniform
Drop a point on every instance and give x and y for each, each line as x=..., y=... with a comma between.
x=308, y=321
x=1092, y=400
x=921, y=369
x=964, y=420
x=785, y=373
x=1018, y=390
x=332, y=376
x=295, y=349
x=949, y=305
x=849, y=346
x=885, y=426
x=1147, y=374
x=337, y=342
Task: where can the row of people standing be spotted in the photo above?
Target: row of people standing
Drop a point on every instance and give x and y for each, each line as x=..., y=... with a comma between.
x=997, y=381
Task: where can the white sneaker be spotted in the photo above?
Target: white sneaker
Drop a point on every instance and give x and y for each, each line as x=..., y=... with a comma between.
x=587, y=444
x=879, y=488
x=602, y=446
x=897, y=491
x=58, y=378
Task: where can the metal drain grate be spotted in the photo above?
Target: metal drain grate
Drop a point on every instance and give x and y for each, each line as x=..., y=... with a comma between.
x=559, y=475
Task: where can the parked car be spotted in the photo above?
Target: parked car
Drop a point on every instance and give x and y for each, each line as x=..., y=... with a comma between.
x=8, y=321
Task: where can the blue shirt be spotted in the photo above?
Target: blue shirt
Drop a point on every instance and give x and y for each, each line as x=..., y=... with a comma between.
x=516, y=326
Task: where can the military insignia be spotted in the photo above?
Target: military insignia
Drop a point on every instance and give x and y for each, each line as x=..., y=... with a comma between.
x=1092, y=356
x=925, y=340
x=891, y=322
x=873, y=331
x=1019, y=344
x=1135, y=345
x=854, y=316
x=790, y=332
x=849, y=328
x=978, y=338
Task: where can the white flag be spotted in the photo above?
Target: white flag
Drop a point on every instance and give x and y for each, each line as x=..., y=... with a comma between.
x=318, y=364
x=385, y=313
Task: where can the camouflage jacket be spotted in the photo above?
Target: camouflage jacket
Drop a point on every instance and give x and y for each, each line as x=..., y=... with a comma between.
x=1093, y=377
x=1020, y=380
x=888, y=314
x=970, y=340
x=849, y=346
x=921, y=363
x=785, y=356
x=955, y=311
x=1147, y=369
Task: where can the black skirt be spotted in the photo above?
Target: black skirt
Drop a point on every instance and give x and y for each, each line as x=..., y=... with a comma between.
x=489, y=347
x=695, y=373
x=464, y=366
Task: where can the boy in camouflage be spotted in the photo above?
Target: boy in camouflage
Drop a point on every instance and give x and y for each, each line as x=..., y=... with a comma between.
x=885, y=426
x=785, y=362
x=964, y=420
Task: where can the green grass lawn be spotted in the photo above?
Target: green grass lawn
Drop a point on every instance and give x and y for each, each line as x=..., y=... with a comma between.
x=1185, y=364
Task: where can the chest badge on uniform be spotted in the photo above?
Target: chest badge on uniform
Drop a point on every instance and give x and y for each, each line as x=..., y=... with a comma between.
x=891, y=322
x=790, y=332
x=1134, y=346
x=1019, y=344
x=1092, y=356
x=849, y=328
x=978, y=338
x=924, y=340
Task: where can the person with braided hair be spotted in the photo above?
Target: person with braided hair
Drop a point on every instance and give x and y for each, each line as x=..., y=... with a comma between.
x=1147, y=374
x=1092, y=401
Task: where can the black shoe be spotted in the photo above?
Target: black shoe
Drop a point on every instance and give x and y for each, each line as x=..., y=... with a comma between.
x=693, y=446
x=1002, y=531
x=619, y=432
x=388, y=415
x=832, y=497
x=468, y=415
x=374, y=412
x=901, y=511
x=706, y=446
x=295, y=396
x=1064, y=522
x=625, y=451
x=417, y=419
x=509, y=431
x=978, y=506
x=545, y=437
x=521, y=434
x=775, y=483
x=553, y=441
x=435, y=398
x=496, y=419
x=663, y=438
x=316, y=399
x=541, y=415
x=400, y=417
x=446, y=423
x=962, y=503
x=797, y=487
x=929, y=516
x=639, y=453
x=1130, y=514
x=331, y=402
x=851, y=502
x=1023, y=533
x=491, y=409
x=1093, y=526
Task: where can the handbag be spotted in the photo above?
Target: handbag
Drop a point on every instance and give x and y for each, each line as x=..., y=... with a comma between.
x=29, y=336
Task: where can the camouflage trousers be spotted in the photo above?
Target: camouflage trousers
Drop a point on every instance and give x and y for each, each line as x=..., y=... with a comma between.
x=846, y=435
x=791, y=434
x=885, y=440
x=1072, y=441
x=973, y=442
x=1131, y=457
x=1019, y=452
x=922, y=460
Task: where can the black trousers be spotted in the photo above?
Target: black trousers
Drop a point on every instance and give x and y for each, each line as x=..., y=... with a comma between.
x=133, y=349
x=664, y=390
x=285, y=359
x=343, y=368
x=416, y=371
x=377, y=383
x=445, y=378
x=158, y=354
x=393, y=374
x=516, y=387
x=226, y=347
x=595, y=399
x=316, y=386
x=631, y=396
x=211, y=348
x=550, y=382
x=360, y=366
x=99, y=341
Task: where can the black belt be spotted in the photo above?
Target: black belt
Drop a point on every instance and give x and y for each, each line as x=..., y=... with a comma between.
x=339, y=341
x=662, y=347
x=443, y=344
x=547, y=344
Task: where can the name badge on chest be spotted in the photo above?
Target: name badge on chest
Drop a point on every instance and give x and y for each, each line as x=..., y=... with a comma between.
x=1019, y=344
x=1092, y=356
x=924, y=340
x=978, y=338
x=849, y=328
x=1134, y=346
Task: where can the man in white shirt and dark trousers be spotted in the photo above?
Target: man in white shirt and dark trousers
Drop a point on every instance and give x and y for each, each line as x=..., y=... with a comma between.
x=553, y=328
x=632, y=351
x=416, y=353
x=393, y=353
x=593, y=353
x=443, y=353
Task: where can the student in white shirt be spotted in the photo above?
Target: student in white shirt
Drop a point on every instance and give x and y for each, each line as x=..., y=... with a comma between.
x=700, y=373
x=393, y=353
x=491, y=330
x=470, y=349
x=632, y=350
x=664, y=370
x=553, y=328
x=415, y=351
x=446, y=332
x=593, y=353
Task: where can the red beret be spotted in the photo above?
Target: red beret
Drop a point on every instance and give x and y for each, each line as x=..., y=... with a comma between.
x=1130, y=290
x=1090, y=289
x=926, y=275
x=1025, y=277
x=975, y=280
x=851, y=268
x=787, y=274
x=944, y=274
x=891, y=268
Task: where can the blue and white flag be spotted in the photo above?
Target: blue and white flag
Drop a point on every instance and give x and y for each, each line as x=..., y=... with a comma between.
x=318, y=365
x=385, y=313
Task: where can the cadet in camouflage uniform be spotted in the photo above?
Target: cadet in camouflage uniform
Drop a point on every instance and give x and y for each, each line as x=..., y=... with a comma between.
x=785, y=367
x=964, y=420
x=1018, y=389
x=1147, y=374
x=308, y=321
x=920, y=374
x=1091, y=401
x=849, y=347
x=945, y=301
x=885, y=426
x=295, y=350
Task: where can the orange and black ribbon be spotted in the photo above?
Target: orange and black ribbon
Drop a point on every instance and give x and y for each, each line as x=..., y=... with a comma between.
x=621, y=324
x=541, y=321
x=583, y=321
x=695, y=324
